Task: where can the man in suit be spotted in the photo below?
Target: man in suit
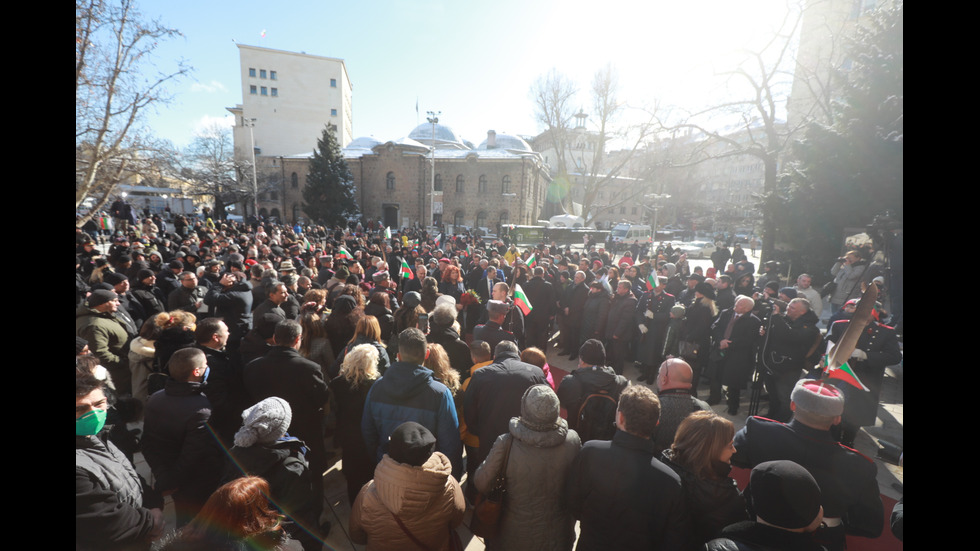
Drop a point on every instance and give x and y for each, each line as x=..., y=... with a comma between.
x=734, y=337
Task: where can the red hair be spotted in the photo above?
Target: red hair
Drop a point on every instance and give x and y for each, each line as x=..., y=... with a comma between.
x=239, y=509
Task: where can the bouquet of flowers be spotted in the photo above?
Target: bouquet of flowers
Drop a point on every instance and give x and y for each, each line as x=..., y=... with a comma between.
x=469, y=297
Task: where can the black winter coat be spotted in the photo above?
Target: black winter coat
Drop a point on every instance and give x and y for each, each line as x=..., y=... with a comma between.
x=711, y=503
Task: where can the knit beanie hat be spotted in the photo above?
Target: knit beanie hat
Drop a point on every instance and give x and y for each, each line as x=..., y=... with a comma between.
x=540, y=408
x=100, y=297
x=411, y=443
x=264, y=423
x=784, y=494
x=592, y=352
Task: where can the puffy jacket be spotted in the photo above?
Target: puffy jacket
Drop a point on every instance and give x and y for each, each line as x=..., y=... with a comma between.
x=427, y=500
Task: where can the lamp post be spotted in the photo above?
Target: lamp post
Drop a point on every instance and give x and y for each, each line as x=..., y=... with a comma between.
x=250, y=123
x=433, y=118
x=654, y=199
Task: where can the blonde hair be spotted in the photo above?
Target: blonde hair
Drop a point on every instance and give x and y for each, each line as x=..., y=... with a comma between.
x=438, y=362
x=360, y=365
x=177, y=318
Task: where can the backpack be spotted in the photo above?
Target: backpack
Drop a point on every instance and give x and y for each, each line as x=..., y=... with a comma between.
x=597, y=416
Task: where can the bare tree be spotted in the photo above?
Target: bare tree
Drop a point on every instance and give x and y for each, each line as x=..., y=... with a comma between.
x=113, y=88
x=758, y=133
x=554, y=97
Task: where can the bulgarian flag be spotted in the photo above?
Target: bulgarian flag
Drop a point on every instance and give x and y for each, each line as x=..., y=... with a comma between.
x=406, y=272
x=387, y=232
x=531, y=261
x=342, y=254
x=464, y=252
x=520, y=299
x=652, y=281
x=846, y=374
x=438, y=240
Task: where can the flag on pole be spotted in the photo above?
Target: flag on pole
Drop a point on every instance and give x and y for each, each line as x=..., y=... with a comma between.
x=406, y=272
x=520, y=300
x=652, y=281
x=531, y=261
x=387, y=232
x=438, y=240
x=846, y=374
x=342, y=254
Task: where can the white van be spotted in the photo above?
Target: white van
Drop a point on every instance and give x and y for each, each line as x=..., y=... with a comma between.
x=628, y=233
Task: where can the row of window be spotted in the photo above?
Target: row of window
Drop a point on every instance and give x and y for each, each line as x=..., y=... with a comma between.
x=482, y=184
x=272, y=75
x=256, y=90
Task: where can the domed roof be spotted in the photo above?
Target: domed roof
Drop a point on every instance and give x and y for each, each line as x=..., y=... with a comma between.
x=508, y=141
x=445, y=137
x=364, y=142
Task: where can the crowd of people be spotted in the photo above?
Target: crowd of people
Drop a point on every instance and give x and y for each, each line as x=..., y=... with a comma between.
x=243, y=348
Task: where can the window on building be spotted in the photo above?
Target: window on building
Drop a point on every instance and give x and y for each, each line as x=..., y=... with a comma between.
x=458, y=218
x=481, y=219
x=265, y=91
x=505, y=184
x=482, y=186
x=634, y=210
x=333, y=112
x=251, y=72
x=437, y=185
x=294, y=180
x=460, y=183
x=390, y=181
x=275, y=92
x=273, y=75
x=261, y=73
x=622, y=210
x=504, y=218
x=333, y=83
x=253, y=89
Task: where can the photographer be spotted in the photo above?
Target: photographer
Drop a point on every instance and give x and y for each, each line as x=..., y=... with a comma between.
x=792, y=338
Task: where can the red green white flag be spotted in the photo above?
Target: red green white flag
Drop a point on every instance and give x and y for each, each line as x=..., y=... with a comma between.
x=520, y=300
x=342, y=254
x=406, y=272
x=652, y=281
x=387, y=232
x=846, y=374
x=531, y=261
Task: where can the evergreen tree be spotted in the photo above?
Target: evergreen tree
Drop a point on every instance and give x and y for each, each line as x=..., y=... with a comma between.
x=328, y=197
x=850, y=171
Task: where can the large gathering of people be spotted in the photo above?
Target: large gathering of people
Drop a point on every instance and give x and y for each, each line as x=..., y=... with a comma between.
x=250, y=354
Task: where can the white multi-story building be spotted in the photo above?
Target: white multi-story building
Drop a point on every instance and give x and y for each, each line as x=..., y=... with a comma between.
x=288, y=98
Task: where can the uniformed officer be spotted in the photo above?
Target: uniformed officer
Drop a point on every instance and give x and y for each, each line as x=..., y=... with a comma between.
x=652, y=315
x=876, y=349
x=850, y=495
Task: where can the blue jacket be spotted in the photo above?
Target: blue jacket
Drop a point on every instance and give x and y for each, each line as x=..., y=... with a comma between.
x=407, y=392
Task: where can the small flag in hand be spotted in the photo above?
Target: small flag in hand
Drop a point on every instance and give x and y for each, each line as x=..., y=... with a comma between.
x=406, y=272
x=846, y=374
x=342, y=254
x=520, y=299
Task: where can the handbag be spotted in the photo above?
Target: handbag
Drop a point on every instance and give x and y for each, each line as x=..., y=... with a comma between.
x=489, y=506
x=828, y=288
x=688, y=349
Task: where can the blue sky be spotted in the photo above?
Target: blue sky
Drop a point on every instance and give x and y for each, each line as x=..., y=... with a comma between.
x=474, y=61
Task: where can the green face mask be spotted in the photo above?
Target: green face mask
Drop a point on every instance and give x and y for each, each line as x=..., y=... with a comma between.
x=90, y=423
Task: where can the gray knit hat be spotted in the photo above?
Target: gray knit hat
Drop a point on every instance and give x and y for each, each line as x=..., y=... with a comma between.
x=540, y=408
x=264, y=423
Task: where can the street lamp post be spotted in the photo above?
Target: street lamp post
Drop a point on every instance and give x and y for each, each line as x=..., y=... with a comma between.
x=250, y=123
x=433, y=118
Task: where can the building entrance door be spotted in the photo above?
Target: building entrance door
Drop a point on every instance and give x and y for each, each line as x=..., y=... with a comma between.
x=391, y=216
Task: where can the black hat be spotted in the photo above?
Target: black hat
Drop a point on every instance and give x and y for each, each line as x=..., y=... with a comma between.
x=411, y=443
x=114, y=278
x=412, y=299
x=783, y=494
x=143, y=274
x=789, y=291
x=705, y=289
x=592, y=352
x=100, y=297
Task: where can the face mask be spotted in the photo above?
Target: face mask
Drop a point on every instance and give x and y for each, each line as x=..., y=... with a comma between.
x=207, y=371
x=90, y=423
